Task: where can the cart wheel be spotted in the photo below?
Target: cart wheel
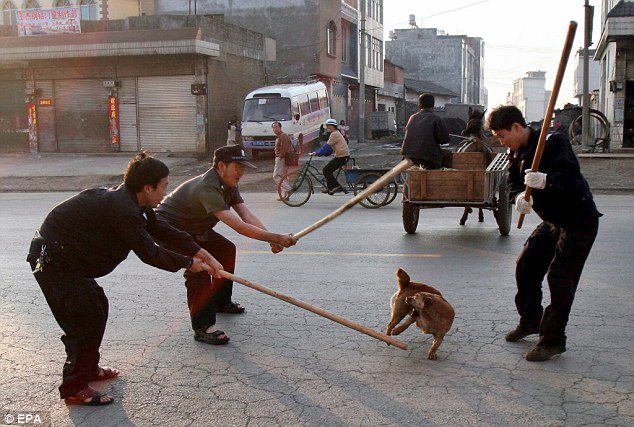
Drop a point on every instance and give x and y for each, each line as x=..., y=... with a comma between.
x=375, y=200
x=393, y=187
x=295, y=189
x=410, y=218
x=504, y=210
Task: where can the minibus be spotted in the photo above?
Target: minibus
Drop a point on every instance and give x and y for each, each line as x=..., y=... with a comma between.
x=300, y=108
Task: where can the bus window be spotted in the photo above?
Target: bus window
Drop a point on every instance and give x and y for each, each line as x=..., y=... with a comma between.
x=304, y=106
x=323, y=99
x=259, y=109
x=314, y=102
x=295, y=108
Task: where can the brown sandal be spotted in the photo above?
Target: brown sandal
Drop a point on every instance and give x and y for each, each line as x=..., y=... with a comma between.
x=105, y=373
x=88, y=396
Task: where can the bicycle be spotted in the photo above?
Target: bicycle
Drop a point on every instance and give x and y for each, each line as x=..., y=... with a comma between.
x=295, y=188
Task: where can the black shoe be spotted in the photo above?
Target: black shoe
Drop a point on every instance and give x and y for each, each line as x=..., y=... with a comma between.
x=520, y=332
x=325, y=191
x=539, y=353
x=337, y=189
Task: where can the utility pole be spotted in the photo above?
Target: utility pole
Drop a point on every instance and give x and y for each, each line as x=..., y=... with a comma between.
x=585, y=112
x=361, y=137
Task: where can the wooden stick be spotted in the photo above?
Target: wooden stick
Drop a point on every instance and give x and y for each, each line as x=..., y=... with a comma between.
x=373, y=188
x=541, y=143
x=335, y=318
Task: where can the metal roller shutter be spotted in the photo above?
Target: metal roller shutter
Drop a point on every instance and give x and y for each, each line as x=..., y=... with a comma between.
x=13, y=118
x=81, y=116
x=167, y=113
x=128, y=127
x=47, y=139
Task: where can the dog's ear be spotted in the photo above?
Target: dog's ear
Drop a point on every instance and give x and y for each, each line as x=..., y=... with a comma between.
x=402, y=276
x=427, y=301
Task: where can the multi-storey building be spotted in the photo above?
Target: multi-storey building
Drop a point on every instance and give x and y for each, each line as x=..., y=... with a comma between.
x=455, y=62
x=317, y=38
x=530, y=96
x=91, y=10
x=161, y=83
x=615, y=51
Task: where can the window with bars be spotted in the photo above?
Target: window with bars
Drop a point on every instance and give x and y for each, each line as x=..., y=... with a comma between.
x=88, y=10
x=8, y=14
x=32, y=4
x=332, y=38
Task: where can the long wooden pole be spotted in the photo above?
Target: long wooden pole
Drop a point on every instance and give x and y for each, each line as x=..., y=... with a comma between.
x=373, y=188
x=335, y=318
x=541, y=143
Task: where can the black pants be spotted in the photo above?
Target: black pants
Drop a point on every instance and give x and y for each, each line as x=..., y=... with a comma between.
x=330, y=168
x=559, y=254
x=80, y=308
x=203, y=293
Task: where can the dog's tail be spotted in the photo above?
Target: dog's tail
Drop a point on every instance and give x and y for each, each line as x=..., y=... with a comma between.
x=403, y=278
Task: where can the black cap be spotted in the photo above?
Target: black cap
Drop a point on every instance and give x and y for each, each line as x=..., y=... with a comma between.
x=231, y=154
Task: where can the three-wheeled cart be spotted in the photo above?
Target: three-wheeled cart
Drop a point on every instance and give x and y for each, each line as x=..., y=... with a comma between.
x=471, y=183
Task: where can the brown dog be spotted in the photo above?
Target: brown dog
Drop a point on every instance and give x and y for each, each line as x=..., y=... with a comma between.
x=425, y=306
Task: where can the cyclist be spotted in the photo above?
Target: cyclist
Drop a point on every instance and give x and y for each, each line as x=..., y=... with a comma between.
x=336, y=143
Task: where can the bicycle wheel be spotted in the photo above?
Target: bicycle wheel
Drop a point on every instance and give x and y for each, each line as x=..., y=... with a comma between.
x=375, y=200
x=295, y=189
x=393, y=188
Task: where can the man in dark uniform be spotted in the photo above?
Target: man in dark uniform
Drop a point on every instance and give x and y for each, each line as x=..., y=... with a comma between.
x=559, y=246
x=86, y=237
x=196, y=206
x=424, y=134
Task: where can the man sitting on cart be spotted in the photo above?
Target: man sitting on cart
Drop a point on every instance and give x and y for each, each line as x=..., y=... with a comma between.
x=424, y=134
x=337, y=143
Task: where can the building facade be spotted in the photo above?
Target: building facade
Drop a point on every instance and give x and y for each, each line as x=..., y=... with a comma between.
x=314, y=38
x=530, y=95
x=615, y=51
x=163, y=84
x=455, y=62
x=90, y=10
x=594, y=75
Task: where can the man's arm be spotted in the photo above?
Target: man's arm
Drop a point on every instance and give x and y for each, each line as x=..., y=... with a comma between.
x=247, y=224
x=441, y=133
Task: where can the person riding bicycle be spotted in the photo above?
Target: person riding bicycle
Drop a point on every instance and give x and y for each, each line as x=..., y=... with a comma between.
x=337, y=143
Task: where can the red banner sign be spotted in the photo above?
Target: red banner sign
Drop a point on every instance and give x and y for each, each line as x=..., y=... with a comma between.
x=45, y=102
x=113, y=120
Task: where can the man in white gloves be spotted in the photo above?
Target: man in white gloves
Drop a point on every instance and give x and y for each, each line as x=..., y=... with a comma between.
x=559, y=246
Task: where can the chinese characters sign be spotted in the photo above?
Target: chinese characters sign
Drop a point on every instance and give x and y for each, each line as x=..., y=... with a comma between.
x=48, y=21
x=113, y=120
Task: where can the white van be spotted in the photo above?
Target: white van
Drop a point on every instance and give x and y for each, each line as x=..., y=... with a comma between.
x=300, y=108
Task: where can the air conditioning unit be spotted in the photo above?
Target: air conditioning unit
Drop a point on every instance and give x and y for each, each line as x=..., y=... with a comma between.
x=615, y=86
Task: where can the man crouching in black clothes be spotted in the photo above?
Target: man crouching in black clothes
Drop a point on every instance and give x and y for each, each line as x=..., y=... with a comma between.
x=559, y=246
x=86, y=237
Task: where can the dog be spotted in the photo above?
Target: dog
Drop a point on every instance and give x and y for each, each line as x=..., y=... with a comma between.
x=425, y=306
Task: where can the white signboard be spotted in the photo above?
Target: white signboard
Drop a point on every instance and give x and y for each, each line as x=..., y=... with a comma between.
x=61, y=20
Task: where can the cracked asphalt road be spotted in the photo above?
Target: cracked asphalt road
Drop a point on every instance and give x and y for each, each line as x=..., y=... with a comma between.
x=285, y=366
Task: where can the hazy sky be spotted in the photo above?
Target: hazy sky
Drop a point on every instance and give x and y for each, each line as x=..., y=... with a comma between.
x=519, y=36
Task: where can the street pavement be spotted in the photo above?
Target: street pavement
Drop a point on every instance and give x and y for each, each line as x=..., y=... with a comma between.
x=287, y=366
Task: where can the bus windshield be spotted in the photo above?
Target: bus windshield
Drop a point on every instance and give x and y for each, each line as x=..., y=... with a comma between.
x=266, y=109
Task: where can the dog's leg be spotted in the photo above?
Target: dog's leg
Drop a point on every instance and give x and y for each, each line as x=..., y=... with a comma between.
x=400, y=328
x=480, y=216
x=465, y=214
x=434, y=346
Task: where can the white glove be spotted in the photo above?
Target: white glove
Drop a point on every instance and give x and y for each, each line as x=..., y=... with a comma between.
x=535, y=179
x=522, y=205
